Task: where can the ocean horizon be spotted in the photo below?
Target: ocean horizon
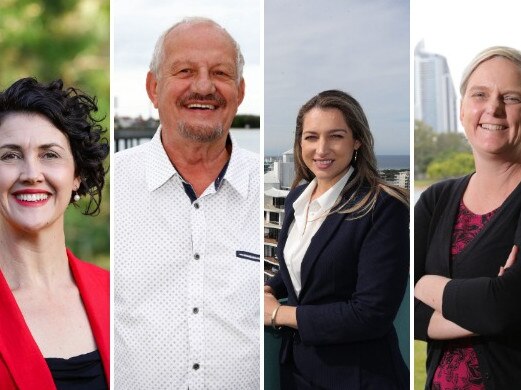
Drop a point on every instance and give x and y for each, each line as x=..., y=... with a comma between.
x=386, y=161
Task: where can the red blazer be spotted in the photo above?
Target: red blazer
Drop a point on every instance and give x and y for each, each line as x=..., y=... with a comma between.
x=22, y=365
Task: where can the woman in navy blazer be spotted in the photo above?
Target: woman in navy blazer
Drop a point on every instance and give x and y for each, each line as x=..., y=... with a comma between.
x=344, y=257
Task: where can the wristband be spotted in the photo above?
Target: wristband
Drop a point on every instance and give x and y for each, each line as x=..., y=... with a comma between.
x=273, y=315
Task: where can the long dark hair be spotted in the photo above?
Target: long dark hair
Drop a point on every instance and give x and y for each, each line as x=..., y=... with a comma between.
x=366, y=181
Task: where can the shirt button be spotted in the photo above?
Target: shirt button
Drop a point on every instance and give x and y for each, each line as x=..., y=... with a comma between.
x=195, y=310
x=196, y=205
x=196, y=256
x=195, y=366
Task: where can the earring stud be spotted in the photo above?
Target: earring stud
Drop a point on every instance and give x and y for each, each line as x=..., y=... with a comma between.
x=76, y=197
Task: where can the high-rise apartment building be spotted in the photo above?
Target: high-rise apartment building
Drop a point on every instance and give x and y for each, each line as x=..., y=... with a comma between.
x=434, y=94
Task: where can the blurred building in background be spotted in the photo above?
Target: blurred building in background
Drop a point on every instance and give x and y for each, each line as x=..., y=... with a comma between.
x=434, y=93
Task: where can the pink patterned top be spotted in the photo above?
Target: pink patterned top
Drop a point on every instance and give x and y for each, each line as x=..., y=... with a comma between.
x=458, y=368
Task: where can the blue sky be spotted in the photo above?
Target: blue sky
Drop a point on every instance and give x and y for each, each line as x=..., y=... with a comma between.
x=359, y=47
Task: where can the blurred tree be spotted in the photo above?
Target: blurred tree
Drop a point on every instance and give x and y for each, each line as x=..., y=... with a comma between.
x=430, y=146
x=451, y=165
x=242, y=121
x=424, y=147
x=50, y=39
x=67, y=39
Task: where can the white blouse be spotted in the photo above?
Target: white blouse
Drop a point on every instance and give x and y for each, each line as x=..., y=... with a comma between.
x=308, y=218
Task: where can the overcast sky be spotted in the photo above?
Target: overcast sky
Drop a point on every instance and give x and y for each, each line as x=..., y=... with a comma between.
x=361, y=47
x=138, y=24
x=461, y=29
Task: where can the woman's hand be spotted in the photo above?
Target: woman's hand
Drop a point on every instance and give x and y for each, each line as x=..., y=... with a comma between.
x=510, y=260
x=286, y=315
x=270, y=304
x=269, y=290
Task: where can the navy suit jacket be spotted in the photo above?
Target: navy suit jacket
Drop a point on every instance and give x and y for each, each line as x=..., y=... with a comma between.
x=354, y=276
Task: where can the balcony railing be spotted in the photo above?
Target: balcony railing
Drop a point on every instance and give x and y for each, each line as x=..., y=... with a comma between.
x=272, y=260
x=270, y=240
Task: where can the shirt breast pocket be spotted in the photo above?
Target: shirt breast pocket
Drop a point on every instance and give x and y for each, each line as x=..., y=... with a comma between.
x=248, y=256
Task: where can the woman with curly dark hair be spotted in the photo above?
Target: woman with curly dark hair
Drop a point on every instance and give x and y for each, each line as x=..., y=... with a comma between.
x=54, y=308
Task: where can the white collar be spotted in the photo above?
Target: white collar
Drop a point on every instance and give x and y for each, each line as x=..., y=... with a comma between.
x=159, y=168
x=322, y=204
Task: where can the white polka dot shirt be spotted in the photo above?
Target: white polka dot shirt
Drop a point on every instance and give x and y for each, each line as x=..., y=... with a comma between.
x=186, y=274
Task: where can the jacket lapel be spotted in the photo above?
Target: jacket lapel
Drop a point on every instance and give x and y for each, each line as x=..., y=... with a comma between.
x=317, y=244
x=283, y=237
x=18, y=350
x=95, y=295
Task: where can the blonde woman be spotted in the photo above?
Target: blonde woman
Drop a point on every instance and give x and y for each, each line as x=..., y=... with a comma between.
x=468, y=283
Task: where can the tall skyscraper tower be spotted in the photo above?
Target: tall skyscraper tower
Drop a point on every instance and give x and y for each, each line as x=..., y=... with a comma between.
x=434, y=94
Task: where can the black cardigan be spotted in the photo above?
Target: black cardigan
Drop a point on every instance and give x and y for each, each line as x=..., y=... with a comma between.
x=476, y=298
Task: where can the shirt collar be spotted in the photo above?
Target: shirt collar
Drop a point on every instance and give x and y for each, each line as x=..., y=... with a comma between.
x=159, y=168
x=325, y=201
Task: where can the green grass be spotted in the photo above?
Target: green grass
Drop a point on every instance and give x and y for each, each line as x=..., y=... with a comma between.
x=420, y=354
x=424, y=183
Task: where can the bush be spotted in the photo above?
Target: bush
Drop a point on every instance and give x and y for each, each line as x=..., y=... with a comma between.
x=452, y=165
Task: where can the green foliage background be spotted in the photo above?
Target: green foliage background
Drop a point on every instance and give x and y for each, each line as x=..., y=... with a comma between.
x=420, y=356
x=440, y=155
x=67, y=39
x=242, y=121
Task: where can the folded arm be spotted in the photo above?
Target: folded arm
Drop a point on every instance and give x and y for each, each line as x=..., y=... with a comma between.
x=466, y=307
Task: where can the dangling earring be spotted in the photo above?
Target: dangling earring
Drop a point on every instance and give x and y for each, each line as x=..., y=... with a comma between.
x=76, y=197
x=356, y=154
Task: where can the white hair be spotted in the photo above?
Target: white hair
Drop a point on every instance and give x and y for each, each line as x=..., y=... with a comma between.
x=159, y=50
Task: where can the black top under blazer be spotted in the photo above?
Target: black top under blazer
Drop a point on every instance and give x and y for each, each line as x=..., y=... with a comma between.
x=354, y=276
x=476, y=298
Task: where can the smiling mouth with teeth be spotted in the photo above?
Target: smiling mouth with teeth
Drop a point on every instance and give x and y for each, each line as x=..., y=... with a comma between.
x=32, y=197
x=201, y=106
x=491, y=127
x=323, y=163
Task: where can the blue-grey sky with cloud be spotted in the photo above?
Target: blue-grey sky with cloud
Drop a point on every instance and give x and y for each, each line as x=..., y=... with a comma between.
x=138, y=24
x=361, y=47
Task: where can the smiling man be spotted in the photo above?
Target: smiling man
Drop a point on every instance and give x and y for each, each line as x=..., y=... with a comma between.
x=187, y=226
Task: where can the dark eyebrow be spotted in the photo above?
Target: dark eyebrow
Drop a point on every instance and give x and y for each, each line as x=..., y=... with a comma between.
x=11, y=146
x=48, y=146
x=44, y=146
x=327, y=131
